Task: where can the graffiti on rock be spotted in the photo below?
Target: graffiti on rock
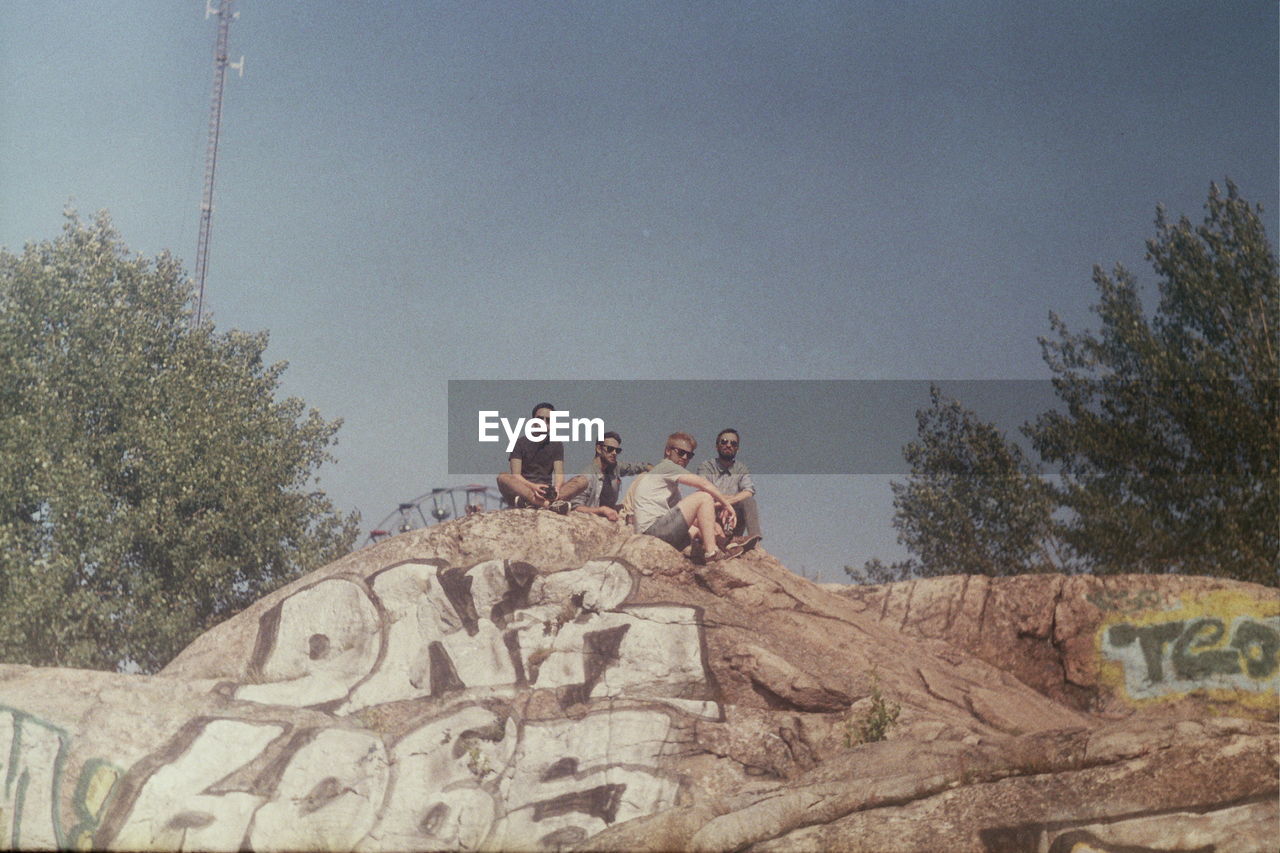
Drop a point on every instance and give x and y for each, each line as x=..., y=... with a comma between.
x=32, y=768
x=1225, y=644
x=189, y=795
x=93, y=792
x=419, y=629
x=33, y=759
x=472, y=776
x=476, y=774
x=529, y=710
x=1126, y=600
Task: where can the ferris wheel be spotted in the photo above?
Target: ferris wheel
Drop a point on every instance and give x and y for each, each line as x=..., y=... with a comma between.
x=434, y=507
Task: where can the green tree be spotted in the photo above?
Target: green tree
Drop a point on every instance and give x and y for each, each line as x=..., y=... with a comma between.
x=150, y=483
x=1167, y=451
x=1168, y=445
x=974, y=503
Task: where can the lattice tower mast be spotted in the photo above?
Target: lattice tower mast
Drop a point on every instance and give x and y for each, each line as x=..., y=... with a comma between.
x=220, y=65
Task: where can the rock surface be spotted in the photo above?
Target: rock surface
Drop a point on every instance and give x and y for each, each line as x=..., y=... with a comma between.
x=522, y=680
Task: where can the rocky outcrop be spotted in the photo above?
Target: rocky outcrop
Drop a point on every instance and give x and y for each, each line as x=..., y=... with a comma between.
x=522, y=680
x=1188, y=645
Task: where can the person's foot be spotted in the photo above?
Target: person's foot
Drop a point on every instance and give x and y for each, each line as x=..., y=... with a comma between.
x=519, y=502
x=746, y=543
x=562, y=507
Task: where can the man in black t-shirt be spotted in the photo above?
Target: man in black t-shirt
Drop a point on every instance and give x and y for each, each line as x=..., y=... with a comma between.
x=537, y=468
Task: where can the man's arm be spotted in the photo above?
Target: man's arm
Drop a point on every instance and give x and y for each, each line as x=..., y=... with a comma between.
x=517, y=465
x=746, y=487
x=703, y=484
x=574, y=490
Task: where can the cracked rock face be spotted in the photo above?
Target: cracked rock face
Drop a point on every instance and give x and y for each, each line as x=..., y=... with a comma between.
x=525, y=681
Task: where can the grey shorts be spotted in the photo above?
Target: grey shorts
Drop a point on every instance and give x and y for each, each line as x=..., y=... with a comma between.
x=672, y=529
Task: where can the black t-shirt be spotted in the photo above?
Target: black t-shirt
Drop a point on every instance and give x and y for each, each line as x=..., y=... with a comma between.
x=609, y=487
x=536, y=458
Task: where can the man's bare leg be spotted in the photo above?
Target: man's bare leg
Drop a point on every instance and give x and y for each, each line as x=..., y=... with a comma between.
x=699, y=511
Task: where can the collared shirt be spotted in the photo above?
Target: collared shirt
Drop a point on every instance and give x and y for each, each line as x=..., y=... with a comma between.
x=590, y=496
x=731, y=480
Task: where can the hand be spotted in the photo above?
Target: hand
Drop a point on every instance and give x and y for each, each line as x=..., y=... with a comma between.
x=609, y=513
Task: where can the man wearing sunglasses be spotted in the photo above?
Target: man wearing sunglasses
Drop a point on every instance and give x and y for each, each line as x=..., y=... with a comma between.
x=732, y=477
x=660, y=510
x=595, y=489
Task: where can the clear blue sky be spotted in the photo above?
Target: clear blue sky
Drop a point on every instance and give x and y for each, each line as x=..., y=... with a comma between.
x=411, y=192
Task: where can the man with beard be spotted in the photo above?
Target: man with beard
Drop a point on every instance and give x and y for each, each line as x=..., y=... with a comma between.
x=732, y=477
x=595, y=489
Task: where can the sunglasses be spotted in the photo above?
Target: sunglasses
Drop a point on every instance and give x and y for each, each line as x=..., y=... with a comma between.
x=684, y=454
x=615, y=448
x=729, y=443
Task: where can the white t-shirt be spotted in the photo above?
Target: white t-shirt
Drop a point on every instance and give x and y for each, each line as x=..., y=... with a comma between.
x=656, y=493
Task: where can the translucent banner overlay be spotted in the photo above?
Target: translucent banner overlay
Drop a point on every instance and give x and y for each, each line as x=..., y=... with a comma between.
x=787, y=426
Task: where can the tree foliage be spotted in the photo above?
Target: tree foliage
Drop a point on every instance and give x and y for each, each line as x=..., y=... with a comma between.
x=1168, y=445
x=974, y=503
x=151, y=485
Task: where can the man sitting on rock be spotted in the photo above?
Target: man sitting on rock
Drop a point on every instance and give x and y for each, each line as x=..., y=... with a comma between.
x=537, y=469
x=661, y=512
x=596, y=488
x=732, y=477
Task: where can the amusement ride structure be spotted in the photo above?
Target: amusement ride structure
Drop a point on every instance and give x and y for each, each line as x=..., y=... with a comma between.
x=434, y=507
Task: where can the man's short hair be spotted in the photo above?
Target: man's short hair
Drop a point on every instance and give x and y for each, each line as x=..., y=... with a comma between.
x=721, y=433
x=610, y=434
x=534, y=413
x=683, y=436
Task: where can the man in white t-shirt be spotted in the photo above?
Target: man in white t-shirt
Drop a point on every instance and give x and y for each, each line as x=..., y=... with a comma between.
x=661, y=512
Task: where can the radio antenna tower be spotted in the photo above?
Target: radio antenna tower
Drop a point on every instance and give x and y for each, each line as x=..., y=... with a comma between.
x=220, y=65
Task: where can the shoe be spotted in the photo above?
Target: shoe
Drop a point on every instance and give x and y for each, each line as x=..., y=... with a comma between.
x=746, y=543
x=561, y=507
x=717, y=557
x=519, y=502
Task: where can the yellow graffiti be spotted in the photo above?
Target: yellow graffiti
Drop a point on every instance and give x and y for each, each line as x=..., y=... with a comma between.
x=1223, y=645
x=93, y=792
